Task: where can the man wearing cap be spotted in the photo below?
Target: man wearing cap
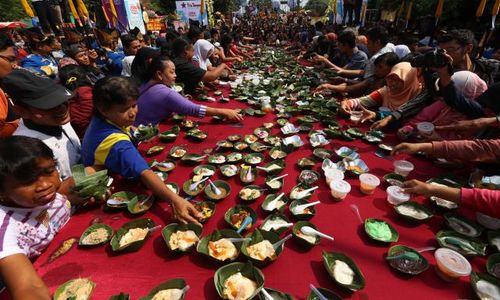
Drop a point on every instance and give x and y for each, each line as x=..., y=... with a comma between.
x=42, y=105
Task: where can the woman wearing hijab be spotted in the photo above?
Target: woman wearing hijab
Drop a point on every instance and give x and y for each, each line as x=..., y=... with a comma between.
x=203, y=50
x=402, y=84
x=466, y=84
x=187, y=72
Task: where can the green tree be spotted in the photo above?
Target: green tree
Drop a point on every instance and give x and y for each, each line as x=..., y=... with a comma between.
x=226, y=6
x=11, y=10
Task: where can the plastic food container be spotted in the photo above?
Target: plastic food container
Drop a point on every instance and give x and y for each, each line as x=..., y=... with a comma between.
x=403, y=167
x=356, y=116
x=340, y=189
x=425, y=128
x=395, y=195
x=451, y=265
x=333, y=175
x=368, y=183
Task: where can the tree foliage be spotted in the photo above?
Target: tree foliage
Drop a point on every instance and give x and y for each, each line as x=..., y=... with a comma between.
x=11, y=10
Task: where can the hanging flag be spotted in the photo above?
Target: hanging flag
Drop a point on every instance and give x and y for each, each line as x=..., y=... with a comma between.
x=27, y=8
x=82, y=9
x=480, y=8
x=74, y=13
x=400, y=11
x=494, y=10
x=202, y=7
x=408, y=11
x=439, y=9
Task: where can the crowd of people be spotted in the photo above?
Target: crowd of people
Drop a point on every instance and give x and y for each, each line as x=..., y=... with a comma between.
x=78, y=100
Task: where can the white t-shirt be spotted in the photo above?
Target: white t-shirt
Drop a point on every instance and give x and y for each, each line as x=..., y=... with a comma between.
x=127, y=65
x=370, y=66
x=29, y=230
x=67, y=148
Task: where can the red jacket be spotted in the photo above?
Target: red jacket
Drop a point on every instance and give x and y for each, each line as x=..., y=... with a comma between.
x=80, y=109
x=468, y=150
x=481, y=200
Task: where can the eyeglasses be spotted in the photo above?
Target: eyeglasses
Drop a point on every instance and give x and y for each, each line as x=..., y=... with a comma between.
x=9, y=59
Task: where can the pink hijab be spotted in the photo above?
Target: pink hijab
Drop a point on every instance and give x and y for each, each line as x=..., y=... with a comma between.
x=412, y=87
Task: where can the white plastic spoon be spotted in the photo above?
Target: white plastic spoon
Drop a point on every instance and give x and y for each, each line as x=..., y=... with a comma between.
x=317, y=292
x=195, y=184
x=216, y=190
x=426, y=249
x=154, y=228
x=355, y=209
x=278, y=226
x=272, y=205
x=281, y=242
x=266, y=294
x=304, y=193
x=249, y=175
x=236, y=240
x=113, y=201
x=307, y=230
x=300, y=208
x=277, y=178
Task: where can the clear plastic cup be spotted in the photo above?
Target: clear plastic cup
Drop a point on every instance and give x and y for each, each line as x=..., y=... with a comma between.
x=451, y=265
x=356, y=116
x=395, y=195
x=425, y=128
x=368, y=183
x=339, y=189
x=332, y=175
x=403, y=167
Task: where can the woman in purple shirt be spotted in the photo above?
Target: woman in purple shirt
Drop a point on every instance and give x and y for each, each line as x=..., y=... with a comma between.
x=158, y=101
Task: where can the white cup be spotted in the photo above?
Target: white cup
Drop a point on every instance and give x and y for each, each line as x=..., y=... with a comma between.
x=395, y=195
x=425, y=128
x=333, y=175
x=369, y=183
x=339, y=189
x=356, y=116
x=403, y=167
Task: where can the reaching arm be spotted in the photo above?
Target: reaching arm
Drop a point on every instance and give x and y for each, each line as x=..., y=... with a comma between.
x=21, y=279
x=214, y=74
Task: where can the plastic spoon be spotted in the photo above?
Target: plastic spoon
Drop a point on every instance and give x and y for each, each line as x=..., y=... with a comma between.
x=185, y=289
x=248, y=220
x=216, y=190
x=355, y=209
x=195, y=184
x=408, y=255
x=300, y=208
x=277, y=178
x=277, y=226
x=281, y=242
x=272, y=205
x=317, y=292
x=249, y=175
x=266, y=294
x=311, y=231
x=304, y=193
x=426, y=249
x=236, y=240
x=154, y=228
x=113, y=201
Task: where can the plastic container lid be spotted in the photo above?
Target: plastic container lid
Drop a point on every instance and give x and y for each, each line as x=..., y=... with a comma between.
x=404, y=165
x=369, y=179
x=397, y=194
x=425, y=126
x=453, y=261
x=340, y=186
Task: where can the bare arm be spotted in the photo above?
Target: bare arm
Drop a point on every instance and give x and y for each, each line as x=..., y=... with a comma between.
x=184, y=211
x=21, y=279
x=214, y=74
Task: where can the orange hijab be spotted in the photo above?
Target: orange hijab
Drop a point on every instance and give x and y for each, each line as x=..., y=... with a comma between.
x=412, y=87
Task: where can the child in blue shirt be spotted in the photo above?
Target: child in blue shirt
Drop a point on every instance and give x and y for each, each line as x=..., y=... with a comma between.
x=108, y=141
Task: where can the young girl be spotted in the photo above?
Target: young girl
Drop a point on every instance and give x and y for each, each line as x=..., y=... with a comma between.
x=31, y=212
x=157, y=100
x=74, y=78
x=469, y=86
x=108, y=142
x=402, y=84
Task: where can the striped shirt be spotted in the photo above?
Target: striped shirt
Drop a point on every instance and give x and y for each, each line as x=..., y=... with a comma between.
x=28, y=231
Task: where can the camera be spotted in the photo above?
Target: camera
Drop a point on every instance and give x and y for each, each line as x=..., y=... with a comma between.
x=433, y=59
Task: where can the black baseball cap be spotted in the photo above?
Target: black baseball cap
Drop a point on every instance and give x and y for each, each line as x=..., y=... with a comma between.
x=30, y=89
